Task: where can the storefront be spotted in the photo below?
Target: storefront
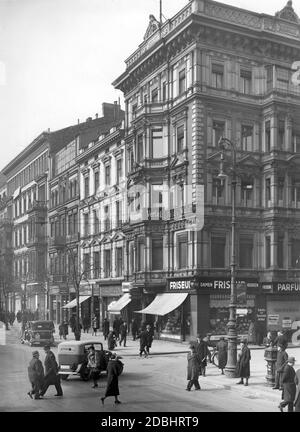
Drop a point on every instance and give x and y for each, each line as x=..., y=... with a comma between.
x=283, y=308
x=190, y=306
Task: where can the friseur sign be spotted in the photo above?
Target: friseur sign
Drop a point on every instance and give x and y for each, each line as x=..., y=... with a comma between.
x=208, y=284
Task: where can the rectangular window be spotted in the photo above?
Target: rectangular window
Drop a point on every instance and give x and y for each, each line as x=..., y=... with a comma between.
x=86, y=224
x=140, y=148
x=119, y=261
x=86, y=187
x=119, y=170
x=247, y=191
x=280, y=188
x=296, y=143
x=247, y=138
x=217, y=75
x=107, y=263
x=217, y=189
x=246, y=252
x=86, y=264
x=281, y=134
x=182, y=251
x=118, y=214
x=107, y=175
x=218, y=132
x=157, y=148
x=140, y=256
x=268, y=190
x=218, y=251
x=96, y=182
x=96, y=264
x=246, y=81
x=180, y=139
x=96, y=222
x=268, y=252
x=157, y=254
x=296, y=253
x=182, y=82
x=106, y=218
x=295, y=190
x=280, y=251
x=164, y=91
x=134, y=108
x=154, y=95
x=268, y=136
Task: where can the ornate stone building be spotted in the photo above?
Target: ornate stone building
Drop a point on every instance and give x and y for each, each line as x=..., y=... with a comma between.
x=213, y=70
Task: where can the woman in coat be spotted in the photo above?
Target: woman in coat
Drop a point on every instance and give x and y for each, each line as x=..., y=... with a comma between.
x=222, y=353
x=297, y=397
x=193, y=369
x=289, y=386
x=36, y=376
x=114, y=368
x=243, y=363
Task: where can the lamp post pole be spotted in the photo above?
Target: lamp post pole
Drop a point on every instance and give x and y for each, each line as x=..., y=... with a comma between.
x=230, y=369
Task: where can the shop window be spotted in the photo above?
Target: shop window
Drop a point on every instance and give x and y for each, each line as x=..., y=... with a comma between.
x=157, y=254
x=268, y=252
x=182, y=82
x=217, y=75
x=180, y=139
x=218, y=132
x=218, y=244
x=296, y=253
x=182, y=251
x=247, y=138
x=246, y=81
x=246, y=252
x=267, y=136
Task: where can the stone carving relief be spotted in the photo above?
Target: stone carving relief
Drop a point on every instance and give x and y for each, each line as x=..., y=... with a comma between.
x=288, y=13
x=152, y=26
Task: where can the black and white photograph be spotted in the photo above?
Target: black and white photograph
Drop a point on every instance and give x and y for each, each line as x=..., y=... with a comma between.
x=149, y=209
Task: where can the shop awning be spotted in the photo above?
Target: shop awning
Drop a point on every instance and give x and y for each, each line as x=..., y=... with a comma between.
x=73, y=303
x=116, y=307
x=164, y=303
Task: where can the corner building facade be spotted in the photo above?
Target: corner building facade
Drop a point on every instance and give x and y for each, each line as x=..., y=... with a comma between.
x=213, y=70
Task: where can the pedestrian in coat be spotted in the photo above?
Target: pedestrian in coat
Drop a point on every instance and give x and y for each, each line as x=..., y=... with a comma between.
x=116, y=327
x=111, y=340
x=193, y=369
x=36, y=376
x=145, y=341
x=203, y=352
x=281, y=340
x=243, y=363
x=123, y=333
x=222, y=353
x=113, y=372
x=72, y=323
x=297, y=396
x=105, y=328
x=281, y=361
x=134, y=328
x=51, y=372
x=93, y=365
x=289, y=386
x=95, y=325
x=86, y=324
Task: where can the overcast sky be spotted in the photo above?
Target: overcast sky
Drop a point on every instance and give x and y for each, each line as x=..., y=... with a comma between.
x=58, y=59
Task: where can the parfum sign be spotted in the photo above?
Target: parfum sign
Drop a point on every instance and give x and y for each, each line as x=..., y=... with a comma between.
x=296, y=74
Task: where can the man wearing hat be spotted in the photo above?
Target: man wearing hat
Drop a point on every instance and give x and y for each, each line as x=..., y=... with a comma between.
x=35, y=375
x=289, y=386
x=243, y=363
x=51, y=372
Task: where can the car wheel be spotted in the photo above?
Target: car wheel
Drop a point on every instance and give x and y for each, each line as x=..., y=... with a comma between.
x=64, y=377
x=85, y=374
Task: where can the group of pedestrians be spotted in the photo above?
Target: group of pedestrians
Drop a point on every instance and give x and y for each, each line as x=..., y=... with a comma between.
x=41, y=378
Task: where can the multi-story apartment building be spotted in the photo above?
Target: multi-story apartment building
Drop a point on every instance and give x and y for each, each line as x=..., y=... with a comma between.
x=214, y=70
x=65, y=227
x=102, y=205
x=26, y=181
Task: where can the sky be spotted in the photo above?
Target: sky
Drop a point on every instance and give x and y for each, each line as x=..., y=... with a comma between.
x=58, y=59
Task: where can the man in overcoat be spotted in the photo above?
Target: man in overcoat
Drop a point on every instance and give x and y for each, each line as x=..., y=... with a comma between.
x=105, y=328
x=243, y=363
x=51, y=372
x=145, y=341
x=297, y=397
x=203, y=352
x=35, y=375
x=193, y=369
x=123, y=333
x=281, y=361
x=222, y=353
x=289, y=386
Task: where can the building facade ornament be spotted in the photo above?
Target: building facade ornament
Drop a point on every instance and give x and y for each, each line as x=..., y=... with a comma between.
x=288, y=13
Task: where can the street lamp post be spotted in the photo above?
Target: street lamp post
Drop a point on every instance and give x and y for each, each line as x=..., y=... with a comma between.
x=230, y=369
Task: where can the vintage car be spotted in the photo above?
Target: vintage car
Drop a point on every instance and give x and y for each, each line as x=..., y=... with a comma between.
x=72, y=358
x=39, y=333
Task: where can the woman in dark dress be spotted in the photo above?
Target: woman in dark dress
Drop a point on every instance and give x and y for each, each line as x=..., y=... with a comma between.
x=114, y=369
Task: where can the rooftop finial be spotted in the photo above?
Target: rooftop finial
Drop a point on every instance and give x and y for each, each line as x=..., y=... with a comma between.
x=288, y=13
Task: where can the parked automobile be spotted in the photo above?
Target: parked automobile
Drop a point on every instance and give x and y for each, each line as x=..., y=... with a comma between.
x=72, y=358
x=39, y=333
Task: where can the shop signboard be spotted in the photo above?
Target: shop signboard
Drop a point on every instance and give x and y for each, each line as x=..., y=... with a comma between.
x=286, y=287
x=273, y=319
x=241, y=311
x=224, y=285
x=261, y=314
x=181, y=285
x=287, y=323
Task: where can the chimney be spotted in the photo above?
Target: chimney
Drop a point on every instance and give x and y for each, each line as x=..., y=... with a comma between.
x=96, y=115
x=78, y=121
x=48, y=129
